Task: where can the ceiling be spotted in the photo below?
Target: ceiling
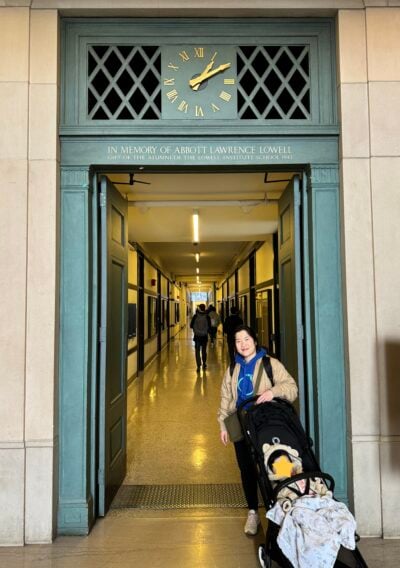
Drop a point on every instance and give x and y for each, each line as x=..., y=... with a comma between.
x=235, y=211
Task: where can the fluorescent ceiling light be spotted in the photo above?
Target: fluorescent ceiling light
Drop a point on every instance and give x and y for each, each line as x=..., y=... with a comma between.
x=195, y=218
x=197, y=255
x=197, y=270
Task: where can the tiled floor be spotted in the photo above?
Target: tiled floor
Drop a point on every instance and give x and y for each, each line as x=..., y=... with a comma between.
x=173, y=438
x=173, y=434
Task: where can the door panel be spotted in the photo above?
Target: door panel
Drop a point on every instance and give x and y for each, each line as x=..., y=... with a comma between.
x=290, y=293
x=113, y=344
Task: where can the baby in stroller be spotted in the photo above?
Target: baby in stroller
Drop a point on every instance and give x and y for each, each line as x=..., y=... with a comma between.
x=307, y=527
x=313, y=526
x=283, y=462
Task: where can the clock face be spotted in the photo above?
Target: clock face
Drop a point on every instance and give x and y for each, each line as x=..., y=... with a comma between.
x=199, y=82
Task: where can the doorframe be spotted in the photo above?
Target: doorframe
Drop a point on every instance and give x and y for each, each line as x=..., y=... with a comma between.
x=324, y=356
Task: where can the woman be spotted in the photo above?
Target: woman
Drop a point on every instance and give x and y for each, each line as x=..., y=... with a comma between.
x=238, y=387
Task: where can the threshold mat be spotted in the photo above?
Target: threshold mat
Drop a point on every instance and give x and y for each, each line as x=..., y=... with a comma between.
x=164, y=497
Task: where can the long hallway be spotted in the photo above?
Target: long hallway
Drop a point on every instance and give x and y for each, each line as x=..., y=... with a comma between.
x=173, y=438
x=173, y=434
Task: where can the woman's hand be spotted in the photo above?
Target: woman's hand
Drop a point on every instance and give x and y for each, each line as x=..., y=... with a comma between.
x=266, y=396
x=224, y=437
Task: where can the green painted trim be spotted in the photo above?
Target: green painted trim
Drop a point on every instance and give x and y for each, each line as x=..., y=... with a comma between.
x=317, y=33
x=305, y=256
x=75, y=504
x=119, y=146
x=75, y=519
x=327, y=324
x=283, y=151
x=166, y=128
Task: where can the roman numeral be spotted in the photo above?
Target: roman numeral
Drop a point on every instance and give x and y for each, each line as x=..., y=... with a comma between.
x=214, y=107
x=199, y=111
x=184, y=55
x=172, y=95
x=169, y=81
x=225, y=96
x=172, y=66
x=199, y=52
x=229, y=81
x=183, y=106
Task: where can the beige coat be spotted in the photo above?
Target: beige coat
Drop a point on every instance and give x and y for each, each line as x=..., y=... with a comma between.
x=284, y=387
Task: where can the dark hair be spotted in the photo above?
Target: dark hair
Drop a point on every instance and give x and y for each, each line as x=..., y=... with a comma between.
x=248, y=330
x=202, y=307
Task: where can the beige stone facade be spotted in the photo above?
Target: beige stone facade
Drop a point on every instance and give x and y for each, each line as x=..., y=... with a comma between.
x=368, y=44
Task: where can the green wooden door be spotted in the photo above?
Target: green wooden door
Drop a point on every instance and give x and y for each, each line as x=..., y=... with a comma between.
x=113, y=343
x=290, y=290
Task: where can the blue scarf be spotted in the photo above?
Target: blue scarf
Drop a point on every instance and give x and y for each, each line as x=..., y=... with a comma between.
x=245, y=388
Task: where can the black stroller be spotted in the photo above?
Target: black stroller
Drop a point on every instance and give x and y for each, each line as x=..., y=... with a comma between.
x=278, y=421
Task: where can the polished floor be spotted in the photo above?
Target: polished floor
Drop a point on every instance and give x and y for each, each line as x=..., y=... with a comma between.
x=173, y=438
x=173, y=434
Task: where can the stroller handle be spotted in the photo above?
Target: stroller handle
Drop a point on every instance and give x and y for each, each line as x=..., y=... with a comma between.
x=275, y=400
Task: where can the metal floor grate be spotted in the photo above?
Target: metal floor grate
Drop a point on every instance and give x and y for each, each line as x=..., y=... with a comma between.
x=162, y=497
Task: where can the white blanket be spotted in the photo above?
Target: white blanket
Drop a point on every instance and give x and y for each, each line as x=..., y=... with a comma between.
x=313, y=530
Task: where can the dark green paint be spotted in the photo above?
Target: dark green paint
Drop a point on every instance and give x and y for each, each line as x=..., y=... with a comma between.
x=290, y=287
x=318, y=34
x=327, y=323
x=75, y=508
x=99, y=147
x=113, y=342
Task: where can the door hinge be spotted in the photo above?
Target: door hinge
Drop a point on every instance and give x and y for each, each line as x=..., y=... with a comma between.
x=102, y=200
x=102, y=334
x=100, y=476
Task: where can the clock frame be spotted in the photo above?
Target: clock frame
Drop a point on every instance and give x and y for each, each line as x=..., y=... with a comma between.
x=214, y=97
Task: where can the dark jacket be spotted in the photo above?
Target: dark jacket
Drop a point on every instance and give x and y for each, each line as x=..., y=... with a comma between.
x=207, y=324
x=230, y=324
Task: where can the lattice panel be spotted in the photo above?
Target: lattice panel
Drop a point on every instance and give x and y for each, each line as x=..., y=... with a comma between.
x=124, y=82
x=273, y=82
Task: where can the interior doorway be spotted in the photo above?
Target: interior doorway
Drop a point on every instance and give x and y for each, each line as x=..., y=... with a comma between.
x=243, y=215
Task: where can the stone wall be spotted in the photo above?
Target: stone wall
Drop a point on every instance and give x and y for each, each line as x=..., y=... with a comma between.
x=28, y=282
x=369, y=94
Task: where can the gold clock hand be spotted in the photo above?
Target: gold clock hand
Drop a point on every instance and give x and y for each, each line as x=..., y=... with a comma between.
x=195, y=83
x=206, y=70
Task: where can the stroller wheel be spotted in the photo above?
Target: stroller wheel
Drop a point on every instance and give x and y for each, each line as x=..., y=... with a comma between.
x=263, y=558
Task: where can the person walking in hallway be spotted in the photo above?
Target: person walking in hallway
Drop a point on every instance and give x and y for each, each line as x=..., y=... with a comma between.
x=237, y=386
x=201, y=326
x=229, y=326
x=215, y=320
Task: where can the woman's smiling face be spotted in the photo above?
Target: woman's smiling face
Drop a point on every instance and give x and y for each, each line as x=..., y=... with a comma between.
x=245, y=345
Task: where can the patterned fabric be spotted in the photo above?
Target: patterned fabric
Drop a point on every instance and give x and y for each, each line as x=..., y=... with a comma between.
x=313, y=530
